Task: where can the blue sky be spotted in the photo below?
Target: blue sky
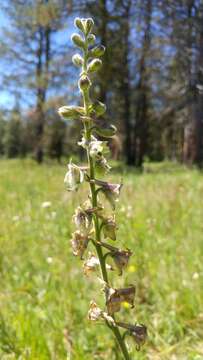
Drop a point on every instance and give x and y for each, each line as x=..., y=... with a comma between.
x=7, y=100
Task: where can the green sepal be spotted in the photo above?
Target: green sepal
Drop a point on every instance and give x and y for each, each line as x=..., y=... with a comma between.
x=106, y=132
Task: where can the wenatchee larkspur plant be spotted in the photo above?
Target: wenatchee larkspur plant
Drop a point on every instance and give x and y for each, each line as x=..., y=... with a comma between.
x=94, y=225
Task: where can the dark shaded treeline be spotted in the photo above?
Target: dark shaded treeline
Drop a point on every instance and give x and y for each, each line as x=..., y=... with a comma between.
x=151, y=80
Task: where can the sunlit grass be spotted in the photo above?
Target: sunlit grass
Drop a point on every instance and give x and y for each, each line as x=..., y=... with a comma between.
x=44, y=296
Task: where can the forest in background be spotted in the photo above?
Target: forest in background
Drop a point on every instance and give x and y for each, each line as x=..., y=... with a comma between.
x=151, y=80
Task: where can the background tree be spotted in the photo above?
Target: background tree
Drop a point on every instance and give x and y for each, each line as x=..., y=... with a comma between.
x=37, y=58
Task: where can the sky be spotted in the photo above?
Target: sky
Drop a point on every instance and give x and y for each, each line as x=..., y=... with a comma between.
x=7, y=100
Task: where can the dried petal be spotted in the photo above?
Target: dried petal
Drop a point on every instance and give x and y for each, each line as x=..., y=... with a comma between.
x=139, y=334
x=127, y=295
x=74, y=176
x=79, y=243
x=91, y=264
x=94, y=312
x=121, y=259
x=111, y=191
x=113, y=300
x=109, y=228
x=83, y=220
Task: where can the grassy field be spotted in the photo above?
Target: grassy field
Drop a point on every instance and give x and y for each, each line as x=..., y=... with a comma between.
x=44, y=297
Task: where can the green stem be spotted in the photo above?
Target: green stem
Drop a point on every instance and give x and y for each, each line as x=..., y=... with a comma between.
x=88, y=130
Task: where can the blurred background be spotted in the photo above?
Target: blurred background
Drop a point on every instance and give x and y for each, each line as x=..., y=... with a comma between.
x=152, y=83
x=151, y=80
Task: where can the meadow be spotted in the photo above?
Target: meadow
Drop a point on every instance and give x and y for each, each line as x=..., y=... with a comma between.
x=44, y=296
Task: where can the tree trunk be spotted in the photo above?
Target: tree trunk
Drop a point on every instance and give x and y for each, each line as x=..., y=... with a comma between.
x=141, y=113
x=40, y=101
x=42, y=78
x=125, y=88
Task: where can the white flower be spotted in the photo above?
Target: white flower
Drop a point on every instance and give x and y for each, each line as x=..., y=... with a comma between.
x=49, y=260
x=16, y=218
x=46, y=204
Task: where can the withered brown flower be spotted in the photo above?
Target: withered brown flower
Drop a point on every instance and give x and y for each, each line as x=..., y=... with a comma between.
x=79, y=243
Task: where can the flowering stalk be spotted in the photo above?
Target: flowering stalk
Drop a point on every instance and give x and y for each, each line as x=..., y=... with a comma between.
x=92, y=223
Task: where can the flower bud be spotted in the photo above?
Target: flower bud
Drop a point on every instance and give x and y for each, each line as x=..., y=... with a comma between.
x=78, y=41
x=91, y=39
x=94, y=65
x=77, y=60
x=97, y=108
x=70, y=112
x=97, y=51
x=84, y=83
x=106, y=132
x=79, y=24
x=89, y=23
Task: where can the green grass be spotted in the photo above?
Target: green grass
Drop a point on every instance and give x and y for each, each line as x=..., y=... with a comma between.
x=44, y=296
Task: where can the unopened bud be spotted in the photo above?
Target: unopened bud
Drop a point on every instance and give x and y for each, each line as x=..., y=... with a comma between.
x=77, y=60
x=84, y=83
x=70, y=112
x=97, y=51
x=78, y=41
x=89, y=23
x=94, y=65
x=97, y=108
x=91, y=39
x=79, y=24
